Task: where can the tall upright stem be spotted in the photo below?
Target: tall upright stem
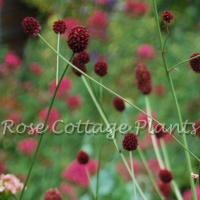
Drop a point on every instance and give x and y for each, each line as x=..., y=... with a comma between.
x=175, y=100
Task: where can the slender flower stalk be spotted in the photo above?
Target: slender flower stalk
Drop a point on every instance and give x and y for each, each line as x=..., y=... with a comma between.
x=175, y=66
x=132, y=170
x=166, y=157
x=57, y=63
x=111, y=136
x=114, y=93
x=153, y=137
x=44, y=127
x=175, y=100
x=90, y=183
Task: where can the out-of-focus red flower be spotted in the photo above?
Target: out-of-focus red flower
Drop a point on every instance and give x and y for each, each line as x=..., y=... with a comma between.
x=15, y=117
x=98, y=24
x=12, y=61
x=70, y=23
x=145, y=52
x=153, y=165
x=35, y=68
x=74, y=102
x=142, y=119
x=159, y=90
x=76, y=173
x=64, y=87
x=27, y=146
x=135, y=8
x=2, y=167
x=187, y=194
x=27, y=85
x=53, y=117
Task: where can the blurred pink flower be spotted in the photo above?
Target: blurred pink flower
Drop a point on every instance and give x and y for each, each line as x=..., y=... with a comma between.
x=75, y=172
x=145, y=52
x=70, y=23
x=98, y=24
x=135, y=8
x=69, y=190
x=35, y=68
x=153, y=165
x=159, y=90
x=27, y=146
x=4, y=70
x=1, y=3
x=137, y=166
x=64, y=87
x=12, y=60
x=102, y=2
x=53, y=116
x=27, y=85
x=10, y=183
x=74, y=102
x=187, y=194
x=15, y=117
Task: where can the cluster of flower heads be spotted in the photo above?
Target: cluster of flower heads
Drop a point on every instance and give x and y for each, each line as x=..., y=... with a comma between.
x=53, y=194
x=10, y=183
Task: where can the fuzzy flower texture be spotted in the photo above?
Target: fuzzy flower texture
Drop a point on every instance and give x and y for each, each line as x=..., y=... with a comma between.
x=10, y=183
x=53, y=194
x=195, y=62
x=130, y=142
x=59, y=27
x=31, y=26
x=167, y=16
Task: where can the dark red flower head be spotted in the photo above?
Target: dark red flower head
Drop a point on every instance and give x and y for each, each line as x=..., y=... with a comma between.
x=82, y=157
x=143, y=79
x=78, y=39
x=165, y=189
x=53, y=194
x=83, y=57
x=167, y=16
x=118, y=103
x=59, y=27
x=101, y=68
x=159, y=130
x=31, y=26
x=165, y=175
x=80, y=66
x=130, y=142
x=195, y=63
x=197, y=128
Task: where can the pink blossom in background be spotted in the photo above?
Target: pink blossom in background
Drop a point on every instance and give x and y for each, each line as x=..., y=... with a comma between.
x=74, y=102
x=135, y=8
x=4, y=69
x=75, y=172
x=27, y=146
x=12, y=60
x=153, y=165
x=187, y=194
x=15, y=117
x=144, y=119
x=98, y=24
x=102, y=2
x=27, y=85
x=69, y=190
x=137, y=166
x=145, y=52
x=70, y=23
x=53, y=116
x=64, y=87
x=159, y=90
x=35, y=68
x=10, y=183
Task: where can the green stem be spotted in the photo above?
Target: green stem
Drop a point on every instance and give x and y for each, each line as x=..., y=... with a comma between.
x=175, y=100
x=44, y=127
x=149, y=172
x=132, y=170
x=101, y=112
x=90, y=183
x=57, y=63
x=153, y=137
x=114, y=93
x=172, y=68
x=173, y=182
